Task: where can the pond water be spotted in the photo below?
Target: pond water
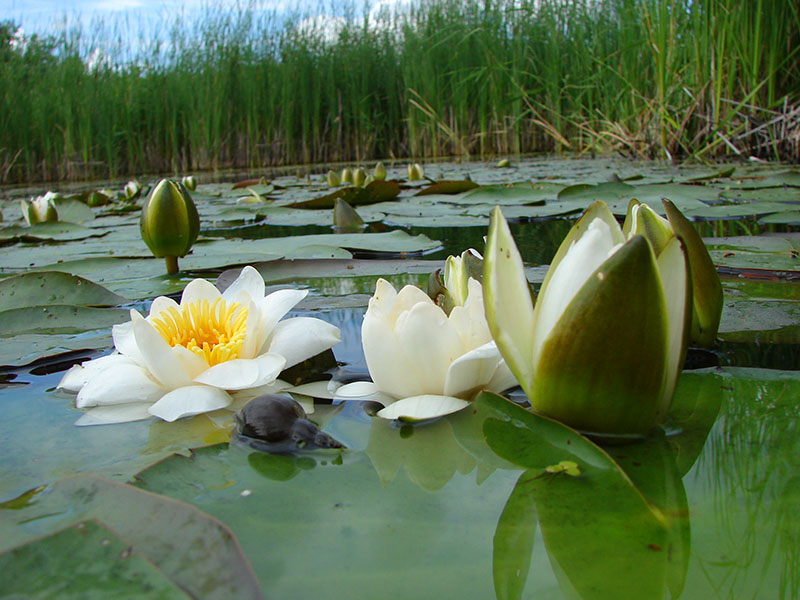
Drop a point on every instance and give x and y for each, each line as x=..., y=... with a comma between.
x=461, y=507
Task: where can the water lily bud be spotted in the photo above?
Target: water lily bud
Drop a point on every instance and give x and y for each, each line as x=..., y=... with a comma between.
x=380, y=171
x=333, y=179
x=457, y=272
x=347, y=176
x=189, y=182
x=132, y=189
x=501, y=164
x=603, y=347
x=706, y=286
x=360, y=177
x=99, y=197
x=345, y=217
x=40, y=209
x=169, y=223
x=415, y=172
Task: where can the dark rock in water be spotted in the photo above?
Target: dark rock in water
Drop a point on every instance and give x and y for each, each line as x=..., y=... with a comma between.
x=278, y=424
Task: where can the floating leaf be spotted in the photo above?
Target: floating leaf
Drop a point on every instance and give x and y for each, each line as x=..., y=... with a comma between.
x=90, y=561
x=447, y=187
x=197, y=552
x=53, y=287
x=377, y=191
x=44, y=232
x=59, y=318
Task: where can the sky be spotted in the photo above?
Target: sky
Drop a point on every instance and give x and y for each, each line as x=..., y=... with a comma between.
x=48, y=16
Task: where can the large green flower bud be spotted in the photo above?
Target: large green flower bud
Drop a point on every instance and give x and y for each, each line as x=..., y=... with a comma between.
x=169, y=223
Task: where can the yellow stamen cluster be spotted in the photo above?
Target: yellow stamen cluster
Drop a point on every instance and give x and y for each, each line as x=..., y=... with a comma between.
x=214, y=330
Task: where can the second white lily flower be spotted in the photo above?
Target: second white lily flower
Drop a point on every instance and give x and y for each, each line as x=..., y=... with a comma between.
x=423, y=362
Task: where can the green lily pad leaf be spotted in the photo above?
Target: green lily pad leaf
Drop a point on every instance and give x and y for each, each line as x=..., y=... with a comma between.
x=25, y=348
x=781, y=195
x=786, y=178
x=447, y=187
x=377, y=191
x=778, y=253
x=512, y=195
x=589, y=522
x=166, y=532
x=609, y=192
x=787, y=217
x=59, y=318
x=734, y=211
x=88, y=559
x=73, y=211
x=439, y=221
x=513, y=543
x=48, y=232
x=53, y=287
x=318, y=251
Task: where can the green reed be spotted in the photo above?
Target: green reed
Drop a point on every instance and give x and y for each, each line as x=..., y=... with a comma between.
x=243, y=88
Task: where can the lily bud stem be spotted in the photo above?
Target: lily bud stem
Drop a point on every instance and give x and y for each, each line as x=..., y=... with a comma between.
x=172, y=264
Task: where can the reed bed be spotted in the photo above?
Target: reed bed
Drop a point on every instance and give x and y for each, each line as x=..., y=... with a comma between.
x=698, y=79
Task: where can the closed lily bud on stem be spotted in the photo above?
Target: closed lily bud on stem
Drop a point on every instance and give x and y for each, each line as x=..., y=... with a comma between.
x=169, y=223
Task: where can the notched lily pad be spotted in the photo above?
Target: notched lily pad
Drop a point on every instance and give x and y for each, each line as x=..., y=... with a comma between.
x=197, y=552
x=376, y=191
x=54, y=287
x=59, y=318
x=88, y=559
x=48, y=232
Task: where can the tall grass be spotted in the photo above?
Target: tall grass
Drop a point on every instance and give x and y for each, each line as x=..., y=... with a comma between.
x=657, y=78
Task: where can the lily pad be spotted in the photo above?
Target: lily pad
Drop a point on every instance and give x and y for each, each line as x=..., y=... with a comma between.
x=53, y=287
x=198, y=553
x=59, y=319
x=447, y=187
x=376, y=191
x=47, y=232
x=86, y=560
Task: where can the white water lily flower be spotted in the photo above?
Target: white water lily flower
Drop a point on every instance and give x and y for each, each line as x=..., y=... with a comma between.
x=40, y=209
x=603, y=347
x=424, y=363
x=194, y=357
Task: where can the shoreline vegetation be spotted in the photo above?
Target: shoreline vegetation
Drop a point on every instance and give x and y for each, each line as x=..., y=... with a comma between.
x=667, y=79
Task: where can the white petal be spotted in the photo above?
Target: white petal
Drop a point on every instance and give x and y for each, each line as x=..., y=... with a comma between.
x=117, y=413
x=77, y=376
x=314, y=389
x=162, y=304
x=193, y=364
x=470, y=319
x=503, y=379
x=125, y=342
x=199, y=289
x=388, y=365
x=301, y=338
x=189, y=401
x=581, y=260
x=472, y=372
x=275, y=306
x=120, y=384
x=420, y=408
x=158, y=356
x=248, y=282
x=243, y=373
x=383, y=298
x=430, y=344
x=406, y=299
x=357, y=389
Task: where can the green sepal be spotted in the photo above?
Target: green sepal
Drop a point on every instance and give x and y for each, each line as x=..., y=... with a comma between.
x=706, y=286
x=169, y=223
x=602, y=367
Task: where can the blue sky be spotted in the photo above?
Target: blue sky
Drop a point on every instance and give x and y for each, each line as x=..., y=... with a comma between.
x=37, y=16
